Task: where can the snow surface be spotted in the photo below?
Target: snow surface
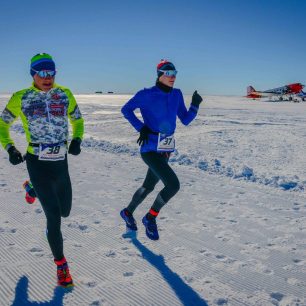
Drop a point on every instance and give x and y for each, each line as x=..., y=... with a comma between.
x=235, y=234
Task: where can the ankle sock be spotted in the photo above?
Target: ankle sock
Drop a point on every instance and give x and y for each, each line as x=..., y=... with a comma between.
x=152, y=214
x=127, y=213
x=60, y=261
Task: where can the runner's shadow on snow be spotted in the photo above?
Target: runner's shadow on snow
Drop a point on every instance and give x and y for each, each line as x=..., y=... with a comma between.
x=129, y=234
x=184, y=292
x=22, y=296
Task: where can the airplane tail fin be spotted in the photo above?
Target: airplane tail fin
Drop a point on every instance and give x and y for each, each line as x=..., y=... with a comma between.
x=250, y=90
x=252, y=93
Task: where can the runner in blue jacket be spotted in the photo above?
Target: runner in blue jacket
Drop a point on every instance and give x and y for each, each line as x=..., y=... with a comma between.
x=159, y=107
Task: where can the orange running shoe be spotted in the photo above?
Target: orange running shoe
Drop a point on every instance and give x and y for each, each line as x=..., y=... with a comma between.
x=64, y=278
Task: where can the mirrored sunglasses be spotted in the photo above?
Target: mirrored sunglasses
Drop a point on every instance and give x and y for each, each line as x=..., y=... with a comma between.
x=169, y=73
x=45, y=73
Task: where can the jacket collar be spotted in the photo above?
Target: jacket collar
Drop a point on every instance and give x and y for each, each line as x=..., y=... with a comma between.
x=163, y=87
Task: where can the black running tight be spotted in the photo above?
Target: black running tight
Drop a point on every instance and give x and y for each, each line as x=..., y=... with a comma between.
x=51, y=182
x=159, y=169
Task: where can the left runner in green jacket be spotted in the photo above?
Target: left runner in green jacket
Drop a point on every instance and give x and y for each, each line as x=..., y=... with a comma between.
x=45, y=109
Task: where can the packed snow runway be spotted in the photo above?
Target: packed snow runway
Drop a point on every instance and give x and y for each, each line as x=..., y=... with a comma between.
x=235, y=234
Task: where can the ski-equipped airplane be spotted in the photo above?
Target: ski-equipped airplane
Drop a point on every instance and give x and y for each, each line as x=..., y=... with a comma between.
x=302, y=95
x=281, y=92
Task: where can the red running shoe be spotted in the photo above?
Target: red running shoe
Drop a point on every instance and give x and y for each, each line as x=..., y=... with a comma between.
x=64, y=278
x=30, y=196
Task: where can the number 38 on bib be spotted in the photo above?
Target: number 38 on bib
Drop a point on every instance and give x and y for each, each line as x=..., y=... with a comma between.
x=52, y=152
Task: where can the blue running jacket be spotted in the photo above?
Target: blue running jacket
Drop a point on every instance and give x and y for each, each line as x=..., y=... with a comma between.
x=159, y=110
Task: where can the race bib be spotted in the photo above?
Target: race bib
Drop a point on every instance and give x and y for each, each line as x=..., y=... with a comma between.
x=165, y=143
x=52, y=152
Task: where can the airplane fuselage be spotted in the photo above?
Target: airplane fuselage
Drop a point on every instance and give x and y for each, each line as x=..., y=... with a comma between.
x=291, y=89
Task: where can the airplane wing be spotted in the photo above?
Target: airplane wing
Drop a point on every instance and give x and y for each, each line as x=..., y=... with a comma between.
x=287, y=89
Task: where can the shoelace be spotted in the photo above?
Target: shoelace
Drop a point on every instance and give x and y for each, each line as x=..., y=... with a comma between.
x=131, y=220
x=63, y=273
x=152, y=225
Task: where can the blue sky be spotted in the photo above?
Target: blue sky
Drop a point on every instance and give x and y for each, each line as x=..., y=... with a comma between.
x=218, y=47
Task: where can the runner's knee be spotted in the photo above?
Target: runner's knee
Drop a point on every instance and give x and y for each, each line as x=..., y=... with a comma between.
x=65, y=214
x=66, y=207
x=173, y=186
x=144, y=191
x=174, y=183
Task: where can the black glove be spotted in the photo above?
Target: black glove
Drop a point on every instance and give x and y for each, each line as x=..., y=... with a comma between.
x=196, y=99
x=144, y=135
x=15, y=156
x=75, y=146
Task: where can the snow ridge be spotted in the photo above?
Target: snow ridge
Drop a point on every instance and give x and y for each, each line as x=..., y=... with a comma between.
x=214, y=166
